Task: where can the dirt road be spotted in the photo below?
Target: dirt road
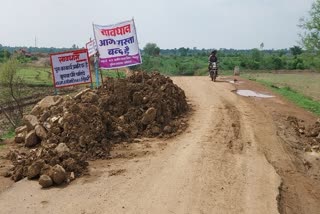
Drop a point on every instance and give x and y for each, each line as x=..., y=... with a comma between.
x=230, y=160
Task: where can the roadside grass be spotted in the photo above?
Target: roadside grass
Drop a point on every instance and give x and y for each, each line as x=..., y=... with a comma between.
x=36, y=76
x=304, y=83
x=8, y=135
x=294, y=96
x=112, y=73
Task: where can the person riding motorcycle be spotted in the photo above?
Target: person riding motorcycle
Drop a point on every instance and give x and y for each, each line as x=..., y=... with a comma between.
x=213, y=58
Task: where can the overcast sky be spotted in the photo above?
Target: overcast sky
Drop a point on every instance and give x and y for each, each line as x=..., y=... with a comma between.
x=239, y=24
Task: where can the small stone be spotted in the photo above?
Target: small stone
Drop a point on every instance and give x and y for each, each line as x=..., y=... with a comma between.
x=31, y=139
x=81, y=93
x=45, y=104
x=89, y=97
x=47, y=126
x=301, y=131
x=35, y=169
x=17, y=174
x=46, y=170
x=21, y=129
x=72, y=176
x=56, y=130
x=31, y=121
x=315, y=148
x=20, y=137
x=122, y=119
x=45, y=181
x=59, y=174
x=167, y=129
x=45, y=116
x=61, y=148
x=41, y=132
x=155, y=130
x=313, y=134
x=60, y=121
x=54, y=119
x=149, y=116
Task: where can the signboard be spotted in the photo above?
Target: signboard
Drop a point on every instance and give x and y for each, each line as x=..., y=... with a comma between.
x=91, y=47
x=70, y=68
x=117, y=45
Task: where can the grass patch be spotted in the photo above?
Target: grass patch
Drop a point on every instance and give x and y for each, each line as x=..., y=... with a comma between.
x=295, y=97
x=8, y=135
x=303, y=83
x=36, y=76
x=113, y=74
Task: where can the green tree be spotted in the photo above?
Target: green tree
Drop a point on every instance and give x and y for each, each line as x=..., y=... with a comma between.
x=11, y=86
x=74, y=46
x=295, y=51
x=277, y=62
x=183, y=51
x=151, y=49
x=311, y=27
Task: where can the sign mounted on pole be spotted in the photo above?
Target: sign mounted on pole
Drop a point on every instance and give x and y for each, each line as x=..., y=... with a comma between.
x=117, y=45
x=70, y=68
x=92, y=47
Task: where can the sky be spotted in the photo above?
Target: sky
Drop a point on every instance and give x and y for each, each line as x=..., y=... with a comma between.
x=238, y=24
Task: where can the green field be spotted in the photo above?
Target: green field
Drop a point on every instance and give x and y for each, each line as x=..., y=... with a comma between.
x=43, y=76
x=9, y=134
x=305, y=83
x=36, y=76
x=303, y=89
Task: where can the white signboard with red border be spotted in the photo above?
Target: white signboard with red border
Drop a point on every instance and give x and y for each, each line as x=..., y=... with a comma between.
x=117, y=45
x=70, y=68
x=92, y=47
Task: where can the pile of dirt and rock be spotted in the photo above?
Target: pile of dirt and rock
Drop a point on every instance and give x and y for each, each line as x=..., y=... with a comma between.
x=309, y=134
x=63, y=133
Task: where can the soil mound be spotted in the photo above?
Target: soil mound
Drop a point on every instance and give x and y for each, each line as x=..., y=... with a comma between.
x=309, y=134
x=63, y=133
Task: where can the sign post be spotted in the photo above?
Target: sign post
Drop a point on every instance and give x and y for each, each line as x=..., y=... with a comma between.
x=96, y=68
x=117, y=45
x=92, y=51
x=70, y=68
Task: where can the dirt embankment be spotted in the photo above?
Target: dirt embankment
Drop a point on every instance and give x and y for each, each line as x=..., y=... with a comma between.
x=63, y=133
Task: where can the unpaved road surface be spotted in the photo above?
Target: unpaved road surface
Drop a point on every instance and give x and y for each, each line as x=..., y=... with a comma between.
x=231, y=159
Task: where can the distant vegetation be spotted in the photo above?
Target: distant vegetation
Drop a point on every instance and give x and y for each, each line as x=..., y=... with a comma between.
x=185, y=61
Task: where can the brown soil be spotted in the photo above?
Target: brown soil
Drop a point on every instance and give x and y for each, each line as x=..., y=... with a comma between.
x=68, y=131
x=238, y=155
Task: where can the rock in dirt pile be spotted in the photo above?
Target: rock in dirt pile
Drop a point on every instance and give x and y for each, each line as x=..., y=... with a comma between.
x=63, y=133
x=310, y=135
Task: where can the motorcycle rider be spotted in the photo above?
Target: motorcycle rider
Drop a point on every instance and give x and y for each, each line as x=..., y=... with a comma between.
x=213, y=58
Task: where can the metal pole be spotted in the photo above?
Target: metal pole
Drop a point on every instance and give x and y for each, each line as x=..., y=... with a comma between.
x=96, y=71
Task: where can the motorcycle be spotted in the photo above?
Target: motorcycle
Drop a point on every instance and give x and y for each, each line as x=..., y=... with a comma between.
x=213, y=70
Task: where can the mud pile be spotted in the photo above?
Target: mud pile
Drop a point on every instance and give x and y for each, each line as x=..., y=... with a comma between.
x=63, y=133
x=310, y=134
